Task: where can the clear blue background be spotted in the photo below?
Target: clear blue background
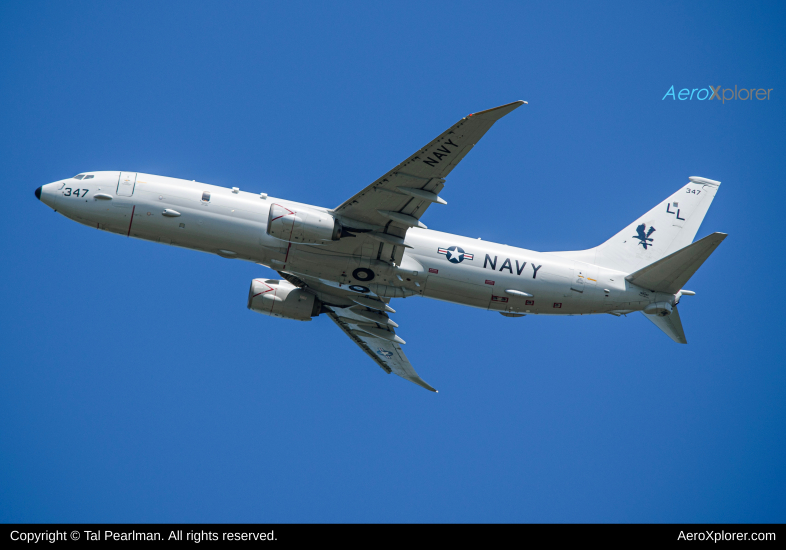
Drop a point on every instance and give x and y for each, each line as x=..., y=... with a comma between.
x=136, y=386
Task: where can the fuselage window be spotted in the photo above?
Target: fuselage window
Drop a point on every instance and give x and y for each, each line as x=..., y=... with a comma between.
x=79, y=177
x=206, y=196
x=88, y=177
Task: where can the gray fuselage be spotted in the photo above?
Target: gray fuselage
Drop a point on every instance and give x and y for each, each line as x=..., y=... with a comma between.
x=233, y=224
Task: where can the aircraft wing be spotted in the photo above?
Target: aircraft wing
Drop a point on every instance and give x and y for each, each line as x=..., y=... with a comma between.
x=386, y=353
x=369, y=327
x=399, y=198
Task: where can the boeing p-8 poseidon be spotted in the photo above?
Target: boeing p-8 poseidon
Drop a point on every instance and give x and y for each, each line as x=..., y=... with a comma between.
x=348, y=262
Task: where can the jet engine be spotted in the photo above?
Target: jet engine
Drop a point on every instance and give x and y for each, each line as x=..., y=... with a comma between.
x=282, y=299
x=302, y=226
x=661, y=309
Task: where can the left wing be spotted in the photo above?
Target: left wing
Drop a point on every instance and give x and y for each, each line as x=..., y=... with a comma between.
x=364, y=319
x=398, y=199
x=384, y=351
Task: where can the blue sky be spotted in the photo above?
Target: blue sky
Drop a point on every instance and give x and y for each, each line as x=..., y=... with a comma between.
x=136, y=386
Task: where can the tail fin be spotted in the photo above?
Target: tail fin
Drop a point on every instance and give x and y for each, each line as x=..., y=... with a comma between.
x=670, y=324
x=665, y=229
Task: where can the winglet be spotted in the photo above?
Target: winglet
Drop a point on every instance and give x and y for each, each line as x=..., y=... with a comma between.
x=499, y=112
x=420, y=382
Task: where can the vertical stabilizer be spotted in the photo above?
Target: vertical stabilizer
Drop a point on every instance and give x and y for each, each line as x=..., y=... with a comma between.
x=668, y=227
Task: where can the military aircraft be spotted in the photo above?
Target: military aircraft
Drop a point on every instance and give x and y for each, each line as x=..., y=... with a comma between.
x=348, y=262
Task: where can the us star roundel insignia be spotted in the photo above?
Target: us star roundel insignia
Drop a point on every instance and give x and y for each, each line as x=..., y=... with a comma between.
x=455, y=254
x=385, y=353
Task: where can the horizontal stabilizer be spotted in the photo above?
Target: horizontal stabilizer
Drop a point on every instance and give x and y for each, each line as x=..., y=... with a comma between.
x=670, y=324
x=669, y=274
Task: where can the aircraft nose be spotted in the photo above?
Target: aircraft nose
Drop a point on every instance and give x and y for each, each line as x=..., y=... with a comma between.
x=47, y=194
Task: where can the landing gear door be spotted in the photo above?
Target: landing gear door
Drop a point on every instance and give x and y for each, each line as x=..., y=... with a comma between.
x=126, y=184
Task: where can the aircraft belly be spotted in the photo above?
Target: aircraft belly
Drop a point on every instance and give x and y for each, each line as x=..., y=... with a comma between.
x=316, y=264
x=460, y=292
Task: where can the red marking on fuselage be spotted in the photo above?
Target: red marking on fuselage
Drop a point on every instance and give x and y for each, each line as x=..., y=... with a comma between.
x=131, y=222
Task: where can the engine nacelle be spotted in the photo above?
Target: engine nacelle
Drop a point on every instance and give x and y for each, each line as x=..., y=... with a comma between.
x=302, y=226
x=282, y=299
x=661, y=309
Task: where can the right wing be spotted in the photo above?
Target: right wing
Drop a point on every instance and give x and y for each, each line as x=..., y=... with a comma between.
x=386, y=353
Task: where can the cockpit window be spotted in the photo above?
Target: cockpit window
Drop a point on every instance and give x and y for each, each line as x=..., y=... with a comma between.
x=206, y=196
x=79, y=177
x=88, y=177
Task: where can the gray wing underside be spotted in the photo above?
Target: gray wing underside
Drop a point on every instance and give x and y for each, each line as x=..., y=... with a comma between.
x=425, y=170
x=349, y=317
x=388, y=355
